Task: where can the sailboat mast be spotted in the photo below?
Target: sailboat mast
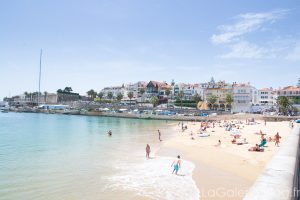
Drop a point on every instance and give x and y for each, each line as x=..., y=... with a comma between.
x=38, y=100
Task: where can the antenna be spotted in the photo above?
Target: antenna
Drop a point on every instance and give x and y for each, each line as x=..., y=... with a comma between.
x=38, y=100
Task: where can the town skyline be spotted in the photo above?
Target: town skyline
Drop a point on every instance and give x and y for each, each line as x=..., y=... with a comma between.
x=96, y=44
x=125, y=85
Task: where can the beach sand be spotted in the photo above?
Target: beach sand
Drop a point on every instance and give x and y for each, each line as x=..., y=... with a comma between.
x=229, y=170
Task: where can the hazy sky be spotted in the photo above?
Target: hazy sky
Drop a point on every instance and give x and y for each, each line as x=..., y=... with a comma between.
x=92, y=44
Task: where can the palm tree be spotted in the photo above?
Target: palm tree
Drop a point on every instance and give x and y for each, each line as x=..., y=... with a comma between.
x=154, y=101
x=119, y=96
x=168, y=92
x=68, y=90
x=110, y=95
x=89, y=93
x=142, y=91
x=92, y=94
x=30, y=96
x=180, y=97
x=100, y=95
x=212, y=99
x=228, y=100
x=283, y=104
x=197, y=98
x=45, y=96
x=26, y=95
x=130, y=96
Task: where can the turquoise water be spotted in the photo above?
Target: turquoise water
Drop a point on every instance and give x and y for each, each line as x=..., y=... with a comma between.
x=47, y=156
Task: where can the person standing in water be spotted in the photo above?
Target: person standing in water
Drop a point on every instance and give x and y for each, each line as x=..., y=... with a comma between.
x=176, y=165
x=148, y=150
x=159, y=135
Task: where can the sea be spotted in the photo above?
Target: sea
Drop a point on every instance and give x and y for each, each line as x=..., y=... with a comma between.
x=70, y=157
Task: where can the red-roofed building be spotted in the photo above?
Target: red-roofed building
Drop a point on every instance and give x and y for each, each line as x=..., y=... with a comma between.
x=156, y=88
x=289, y=91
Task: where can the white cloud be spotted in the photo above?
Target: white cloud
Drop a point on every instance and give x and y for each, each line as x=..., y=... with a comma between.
x=294, y=55
x=246, y=23
x=244, y=49
x=234, y=37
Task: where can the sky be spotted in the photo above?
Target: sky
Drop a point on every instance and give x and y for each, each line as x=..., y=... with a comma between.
x=93, y=44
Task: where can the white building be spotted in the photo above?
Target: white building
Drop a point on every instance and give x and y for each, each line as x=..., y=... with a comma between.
x=115, y=91
x=244, y=97
x=266, y=96
x=49, y=98
x=136, y=88
x=190, y=90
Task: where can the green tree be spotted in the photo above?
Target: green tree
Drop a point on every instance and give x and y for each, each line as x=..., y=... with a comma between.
x=130, y=96
x=154, y=101
x=59, y=91
x=100, y=95
x=228, y=100
x=110, y=95
x=119, y=96
x=197, y=98
x=68, y=90
x=180, y=97
x=26, y=95
x=142, y=91
x=45, y=96
x=92, y=94
x=283, y=104
x=212, y=99
x=168, y=92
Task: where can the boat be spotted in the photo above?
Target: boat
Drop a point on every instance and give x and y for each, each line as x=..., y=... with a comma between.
x=71, y=112
x=4, y=108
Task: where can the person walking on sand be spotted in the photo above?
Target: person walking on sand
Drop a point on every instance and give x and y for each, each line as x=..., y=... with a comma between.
x=148, y=150
x=277, y=139
x=159, y=135
x=176, y=165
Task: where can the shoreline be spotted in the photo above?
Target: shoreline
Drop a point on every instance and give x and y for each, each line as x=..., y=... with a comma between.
x=243, y=116
x=223, y=173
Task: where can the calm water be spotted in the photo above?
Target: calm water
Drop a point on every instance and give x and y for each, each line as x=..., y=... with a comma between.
x=71, y=157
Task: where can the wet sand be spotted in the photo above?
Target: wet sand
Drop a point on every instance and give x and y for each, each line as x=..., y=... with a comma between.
x=229, y=170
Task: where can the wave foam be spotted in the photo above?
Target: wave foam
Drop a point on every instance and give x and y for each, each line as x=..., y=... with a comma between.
x=153, y=178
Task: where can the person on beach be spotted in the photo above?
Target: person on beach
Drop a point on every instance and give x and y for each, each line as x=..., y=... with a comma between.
x=109, y=133
x=277, y=139
x=148, y=150
x=219, y=143
x=176, y=165
x=159, y=135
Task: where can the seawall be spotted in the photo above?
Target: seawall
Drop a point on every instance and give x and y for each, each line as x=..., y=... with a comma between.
x=279, y=180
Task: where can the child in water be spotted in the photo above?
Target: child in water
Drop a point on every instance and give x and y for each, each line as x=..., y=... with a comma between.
x=176, y=165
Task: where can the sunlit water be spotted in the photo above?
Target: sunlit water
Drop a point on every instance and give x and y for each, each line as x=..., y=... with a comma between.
x=71, y=157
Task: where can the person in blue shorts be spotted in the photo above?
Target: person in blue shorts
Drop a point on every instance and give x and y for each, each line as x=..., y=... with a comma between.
x=176, y=165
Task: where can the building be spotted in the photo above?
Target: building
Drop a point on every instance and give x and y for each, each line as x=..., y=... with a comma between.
x=156, y=88
x=189, y=90
x=115, y=91
x=266, y=96
x=220, y=90
x=289, y=91
x=33, y=98
x=135, y=88
x=244, y=97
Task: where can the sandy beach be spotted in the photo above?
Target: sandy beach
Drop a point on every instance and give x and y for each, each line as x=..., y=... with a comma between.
x=228, y=170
